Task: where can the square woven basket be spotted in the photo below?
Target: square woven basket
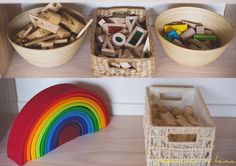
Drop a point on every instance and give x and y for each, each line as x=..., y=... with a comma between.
x=142, y=67
x=160, y=151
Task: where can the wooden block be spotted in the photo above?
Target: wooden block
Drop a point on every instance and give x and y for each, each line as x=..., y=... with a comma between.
x=188, y=110
x=158, y=122
x=40, y=40
x=207, y=43
x=198, y=44
x=107, y=48
x=114, y=64
x=201, y=37
x=71, y=23
x=101, y=23
x=101, y=38
x=38, y=33
x=111, y=28
x=118, y=39
x=125, y=65
x=117, y=20
x=136, y=37
x=139, y=50
x=127, y=54
x=55, y=7
x=179, y=27
x=194, y=47
x=208, y=32
x=176, y=111
x=62, y=33
x=200, y=30
x=51, y=17
x=187, y=34
x=182, y=121
x=146, y=48
x=190, y=23
x=168, y=118
x=178, y=43
x=39, y=22
x=131, y=22
x=192, y=120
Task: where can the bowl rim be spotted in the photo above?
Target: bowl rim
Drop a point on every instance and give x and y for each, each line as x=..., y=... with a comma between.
x=45, y=50
x=195, y=8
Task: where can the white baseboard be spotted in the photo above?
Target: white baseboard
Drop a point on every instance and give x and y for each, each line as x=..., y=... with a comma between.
x=216, y=110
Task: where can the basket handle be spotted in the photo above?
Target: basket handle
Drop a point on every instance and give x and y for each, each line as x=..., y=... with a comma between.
x=180, y=138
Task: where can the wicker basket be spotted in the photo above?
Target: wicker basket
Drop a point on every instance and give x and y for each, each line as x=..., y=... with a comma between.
x=44, y=58
x=160, y=151
x=143, y=67
x=221, y=27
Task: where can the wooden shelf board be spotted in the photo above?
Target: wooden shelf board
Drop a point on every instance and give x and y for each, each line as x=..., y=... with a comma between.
x=79, y=66
x=120, y=1
x=121, y=144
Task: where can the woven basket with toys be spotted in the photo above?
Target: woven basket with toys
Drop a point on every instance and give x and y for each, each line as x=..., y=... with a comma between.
x=121, y=43
x=178, y=128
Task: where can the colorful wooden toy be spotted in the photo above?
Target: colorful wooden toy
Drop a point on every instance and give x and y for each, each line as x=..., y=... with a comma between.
x=205, y=37
x=118, y=39
x=53, y=117
x=187, y=34
x=130, y=22
x=179, y=27
x=136, y=37
x=172, y=35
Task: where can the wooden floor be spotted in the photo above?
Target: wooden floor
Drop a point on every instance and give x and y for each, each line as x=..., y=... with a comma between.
x=122, y=144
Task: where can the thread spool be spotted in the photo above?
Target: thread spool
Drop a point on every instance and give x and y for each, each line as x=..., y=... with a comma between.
x=118, y=39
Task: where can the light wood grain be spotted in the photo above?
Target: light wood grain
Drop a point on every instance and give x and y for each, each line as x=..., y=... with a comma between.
x=121, y=144
x=7, y=12
x=8, y=104
x=79, y=66
x=119, y=1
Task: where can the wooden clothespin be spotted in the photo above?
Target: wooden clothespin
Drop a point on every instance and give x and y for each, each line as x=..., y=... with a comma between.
x=46, y=45
x=40, y=40
x=51, y=17
x=130, y=22
x=55, y=7
x=38, y=33
x=107, y=48
x=25, y=31
x=84, y=28
x=71, y=23
x=39, y=22
x=62, y=33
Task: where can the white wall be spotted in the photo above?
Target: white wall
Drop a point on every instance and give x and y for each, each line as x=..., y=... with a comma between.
x=126, y=96
x=153, y=6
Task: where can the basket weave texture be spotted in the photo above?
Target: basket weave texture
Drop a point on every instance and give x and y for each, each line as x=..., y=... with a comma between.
x=162, y=152
x=143, y=67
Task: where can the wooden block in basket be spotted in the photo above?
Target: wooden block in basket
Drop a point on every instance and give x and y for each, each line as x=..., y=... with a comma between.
x=141, y=67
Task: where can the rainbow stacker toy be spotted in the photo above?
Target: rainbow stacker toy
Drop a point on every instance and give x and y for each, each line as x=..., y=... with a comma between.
x=53, y=117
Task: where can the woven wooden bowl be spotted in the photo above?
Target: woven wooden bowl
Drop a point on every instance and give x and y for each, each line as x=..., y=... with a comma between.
x=44, y=58
x=221, y=27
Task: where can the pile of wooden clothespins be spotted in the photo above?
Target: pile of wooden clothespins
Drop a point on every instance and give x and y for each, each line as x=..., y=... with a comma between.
x=52, y=27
